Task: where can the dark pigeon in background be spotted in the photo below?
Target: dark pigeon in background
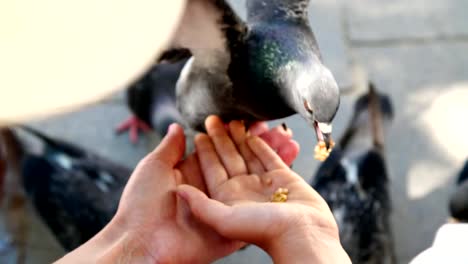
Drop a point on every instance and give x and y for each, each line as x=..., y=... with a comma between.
x=75, y=192
x=458, y=205
x=354, y=182
x=266, y=68
x=152, y=98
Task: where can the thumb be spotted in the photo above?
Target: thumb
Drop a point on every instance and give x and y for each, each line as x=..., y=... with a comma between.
x=230, y=222
x=209, y=211
x=172, y=147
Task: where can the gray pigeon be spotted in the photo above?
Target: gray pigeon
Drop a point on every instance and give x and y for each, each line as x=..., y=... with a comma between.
x=266, y=68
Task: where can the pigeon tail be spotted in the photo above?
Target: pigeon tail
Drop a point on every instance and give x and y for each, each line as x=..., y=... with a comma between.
x=373, y=111
x=376, y=118
x=54, y=145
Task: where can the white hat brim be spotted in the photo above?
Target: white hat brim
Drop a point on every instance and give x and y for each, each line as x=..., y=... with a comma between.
x=57, y=55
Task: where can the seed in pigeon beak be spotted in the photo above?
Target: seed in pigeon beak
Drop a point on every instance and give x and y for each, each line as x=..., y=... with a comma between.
x=323, y=132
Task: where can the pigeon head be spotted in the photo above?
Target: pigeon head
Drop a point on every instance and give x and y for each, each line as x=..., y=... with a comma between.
x=315, y=95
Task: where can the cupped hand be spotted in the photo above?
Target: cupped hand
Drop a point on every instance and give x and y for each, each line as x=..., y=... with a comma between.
x=241, y=174
x=152, y=224
x=163, y=225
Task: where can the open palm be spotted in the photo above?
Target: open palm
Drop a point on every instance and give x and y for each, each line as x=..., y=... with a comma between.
x=240, y=167
x=161, y=222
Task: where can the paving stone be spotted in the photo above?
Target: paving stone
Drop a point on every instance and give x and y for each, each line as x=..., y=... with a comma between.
x=118, y=97
x=327, y=23
x=377, y=20
x=427, y=144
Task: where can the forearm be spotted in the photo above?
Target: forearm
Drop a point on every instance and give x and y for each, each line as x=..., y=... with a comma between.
x=111, y=245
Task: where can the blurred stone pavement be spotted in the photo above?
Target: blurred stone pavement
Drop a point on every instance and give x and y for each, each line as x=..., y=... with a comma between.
x=416, y=51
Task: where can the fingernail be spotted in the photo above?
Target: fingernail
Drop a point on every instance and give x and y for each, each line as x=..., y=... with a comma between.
x=172, y=128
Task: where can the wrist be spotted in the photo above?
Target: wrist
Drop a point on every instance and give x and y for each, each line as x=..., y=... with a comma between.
x=308, y=243
x=112, y=245
x=309, y=250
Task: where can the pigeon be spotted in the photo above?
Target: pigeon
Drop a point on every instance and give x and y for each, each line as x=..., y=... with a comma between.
x=354, y=182
x=152, y=98
x=267, y=67
x=458, y=204
x=75, y=192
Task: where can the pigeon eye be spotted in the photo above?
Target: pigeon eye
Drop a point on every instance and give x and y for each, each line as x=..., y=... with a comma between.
x=307, y=107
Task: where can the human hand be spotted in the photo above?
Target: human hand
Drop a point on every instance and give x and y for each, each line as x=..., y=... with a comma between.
x=161, y=227
x=152, y=224
x=301, y=229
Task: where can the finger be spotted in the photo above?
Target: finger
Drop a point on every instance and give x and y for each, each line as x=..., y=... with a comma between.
x=266, y=155
x=239, y=135
x=213, y=170
x=277, y=136
x=289, y=152
x=207, y=210
x=258, y=128
x=178, y=177
x=237, y=131
x=225, y=147
x=231, y=222
x=172, y=147
x=280, y=139
x=192, y=171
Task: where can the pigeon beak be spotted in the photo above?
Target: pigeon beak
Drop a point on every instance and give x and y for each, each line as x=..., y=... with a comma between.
x=323, y=132
x=328, y=140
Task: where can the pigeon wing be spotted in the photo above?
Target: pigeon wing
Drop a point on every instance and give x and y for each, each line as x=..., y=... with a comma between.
x=207, y=27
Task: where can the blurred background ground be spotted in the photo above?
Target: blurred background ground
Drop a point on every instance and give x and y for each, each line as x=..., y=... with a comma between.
x=414, y=51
